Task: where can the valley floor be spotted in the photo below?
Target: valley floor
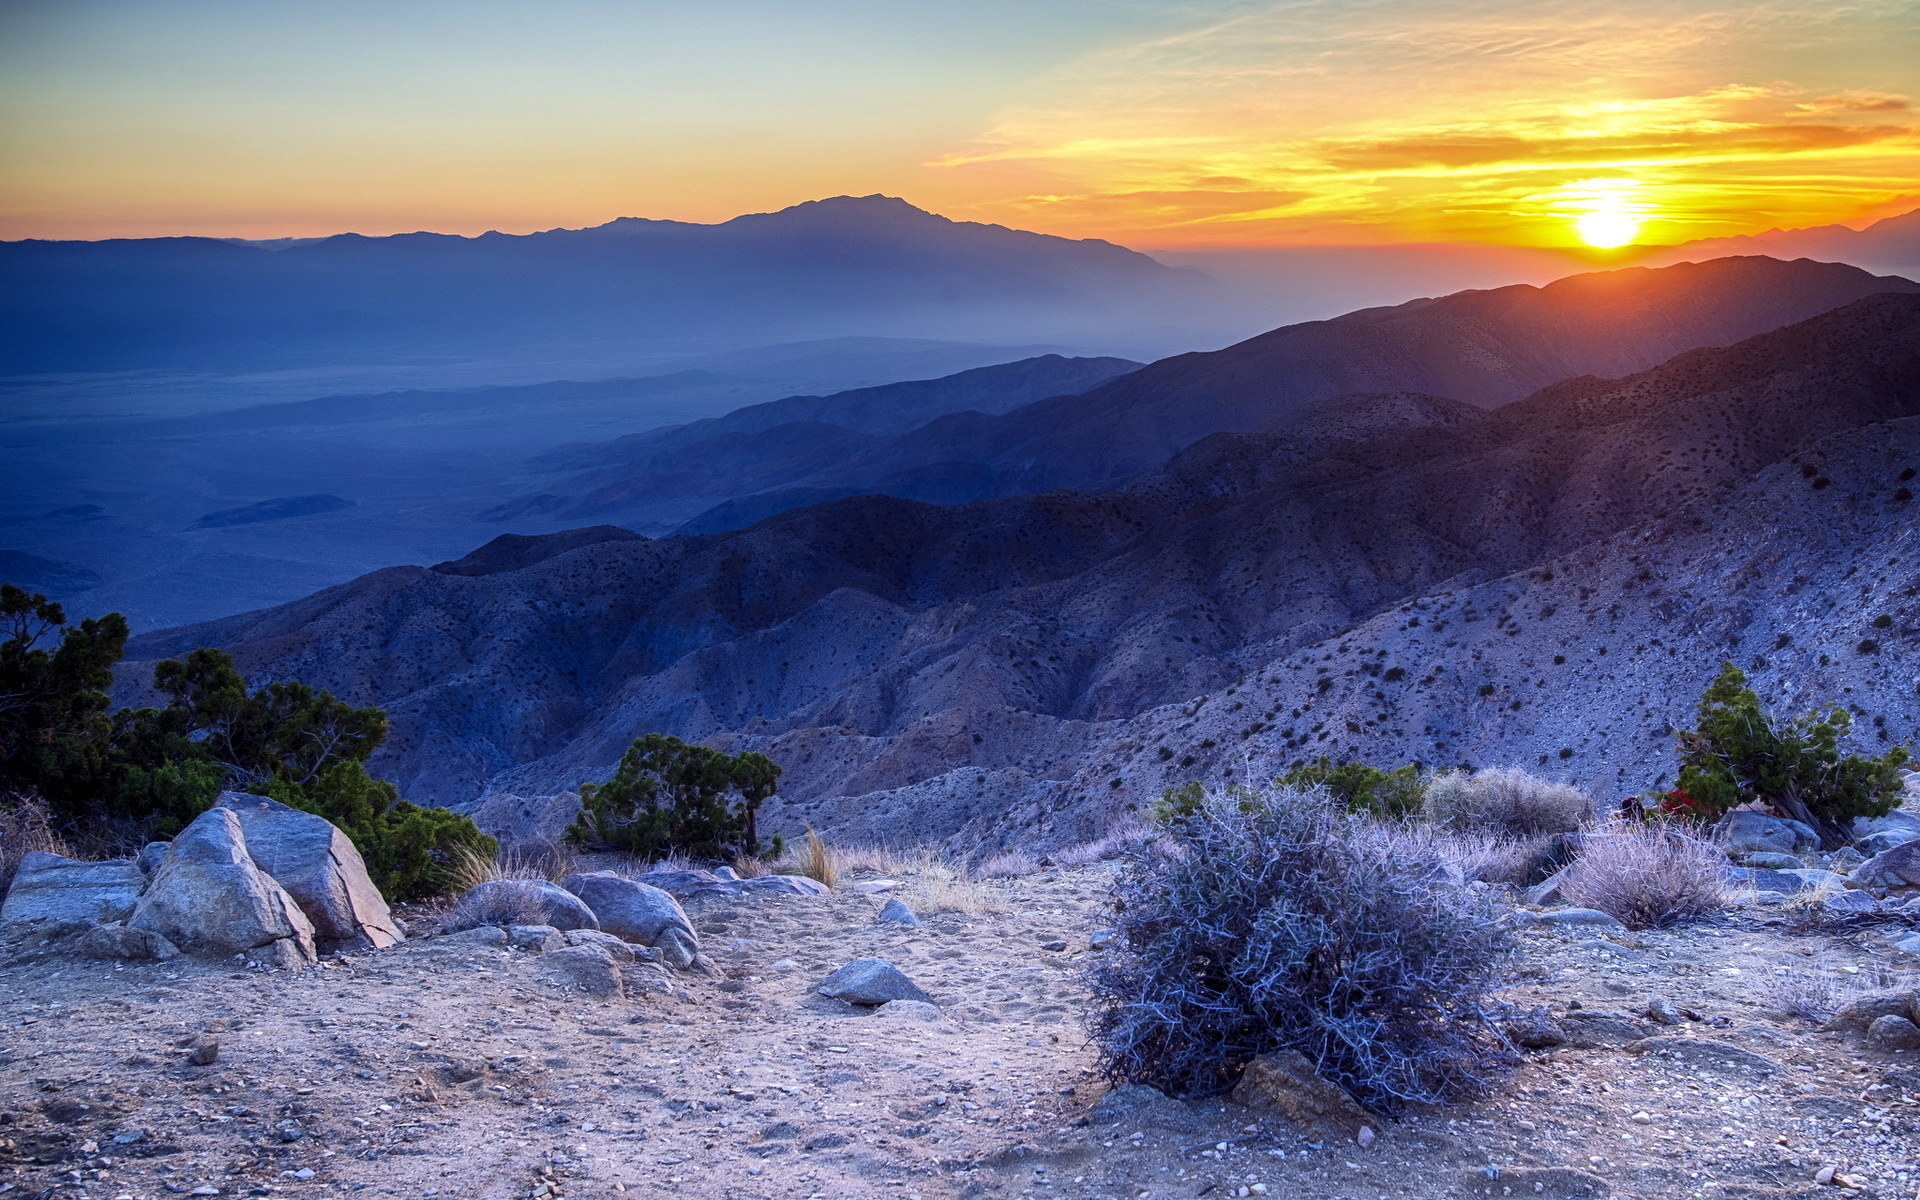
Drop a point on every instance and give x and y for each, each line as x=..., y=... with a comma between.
x=427, y=1071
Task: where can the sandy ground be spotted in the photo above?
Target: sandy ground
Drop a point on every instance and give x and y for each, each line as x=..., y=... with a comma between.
x=432, y=1072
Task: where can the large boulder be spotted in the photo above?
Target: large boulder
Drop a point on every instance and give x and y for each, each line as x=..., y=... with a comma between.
x=1896, y=870
x=1745, y=831
x=208, y=895
x=49, y=887
x=320, y=868
x=1901, y=820
x=638, y=912
x=520, y=902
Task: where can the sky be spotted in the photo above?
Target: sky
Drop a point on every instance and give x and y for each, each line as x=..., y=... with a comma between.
x=1159, y=125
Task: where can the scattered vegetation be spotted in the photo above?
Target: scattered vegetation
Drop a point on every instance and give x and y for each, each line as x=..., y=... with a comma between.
x=141, y=773
x=1008, y=864
x=1361, y=788
x=24, y=828
x=515, y=902
x=1739, y=754
x=1647, y=876
x=1273, y=919
x=670, y=797
x=815, y=859
x=547, y=861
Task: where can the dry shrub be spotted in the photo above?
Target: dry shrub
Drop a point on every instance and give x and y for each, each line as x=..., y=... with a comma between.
x=1007, y=864
x=1486, y=858
x=872, y=860
x=1506, y=802
x=1817, y=996
x=513, y=902
x=1647, y=876
x=1272, y=920
x=24, y=828
x=746, y=866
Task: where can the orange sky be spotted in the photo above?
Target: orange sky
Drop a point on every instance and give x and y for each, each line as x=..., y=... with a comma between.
x=1152, y=123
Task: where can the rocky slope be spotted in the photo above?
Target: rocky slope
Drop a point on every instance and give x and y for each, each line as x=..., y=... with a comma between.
x=1389, y=576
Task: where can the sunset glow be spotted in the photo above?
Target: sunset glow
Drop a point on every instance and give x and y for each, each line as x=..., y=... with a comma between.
x=1153, y=123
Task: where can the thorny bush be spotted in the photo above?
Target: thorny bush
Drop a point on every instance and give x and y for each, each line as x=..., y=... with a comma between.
x=1269, y=920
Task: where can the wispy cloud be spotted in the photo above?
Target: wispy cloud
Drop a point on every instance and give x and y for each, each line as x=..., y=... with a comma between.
x=1362, y=118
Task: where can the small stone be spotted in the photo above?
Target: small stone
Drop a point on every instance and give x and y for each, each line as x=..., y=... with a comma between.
x=1824, y=1175
x=205, y=1189
x=783, y=964
x=1571, y=917
x=908, y=1010
x=205, y=1053
x=1365, y=1137
x=871, y=981
x=304, y=1173
x=896, y=912
x=1894, y=1033
x=537, y=939
x=1665, y=1012
x=1056, y=945
x=1642, y=1118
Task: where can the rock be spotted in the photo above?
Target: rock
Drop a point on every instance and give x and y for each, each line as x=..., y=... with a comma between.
x=491, y=937
x=1900, y=820
x=1055, y=945
x=1844, y=860
x=1744, y=830
x=638, y=912
x=697, y=885
x=207, y=894
x=151, y=855
x=896, y=912
x=726, y=874
x=1894, y=870
x=1862, y=1011
x=1769, y=860
x=205, y=1053
x=1707, y=1054
x=621, y=951
x=1551, y=890
x=870, y=981
x=873, y=887
x=909, y=1010
x=1909, y=944
x=1285, y=1081
x=320, y=868
x=589, y=968
x=1568, y=918
x=1553, y=855
x=1665, y=1012
x=537, y=938
x=1813, y=878
x=1893, y=1032
x=1848, y=902
x=118, y=941
x=1589, y=1029
x=1783, y=883
x=1535, y=1030
x=827, y=1141
x=1137, y=1104
x=506, y=902
x=47, y=887
x=1887, y=839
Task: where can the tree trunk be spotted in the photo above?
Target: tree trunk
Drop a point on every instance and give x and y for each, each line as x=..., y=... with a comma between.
x=1790, y=805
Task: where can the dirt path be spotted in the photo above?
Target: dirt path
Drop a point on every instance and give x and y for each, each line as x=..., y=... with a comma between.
x=430, y=1072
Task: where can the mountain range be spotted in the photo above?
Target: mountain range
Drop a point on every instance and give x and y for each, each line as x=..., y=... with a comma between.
x=872, y=266
x=1522, y=525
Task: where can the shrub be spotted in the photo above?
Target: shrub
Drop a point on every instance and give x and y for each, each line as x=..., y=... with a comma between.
x=1274, y=920
x=1506, y=802
x=1361, y=788
x=117, y=781
x=816, y=860
x=669, y=797
x=1739, y=754
x=1647, y=876
x=940, y=886
x=24, y=828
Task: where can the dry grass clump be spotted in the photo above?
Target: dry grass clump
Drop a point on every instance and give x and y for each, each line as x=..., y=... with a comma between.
x=1506, y=802
x=815, y=859
x=1272, y=920
x=938, y=885
x=1122, y=839
x=746, y=866
x=24, y=828
x=509, y=902
x=1007, y=864
x=1647, y=877
x=1486, y=858
x=546, y=861
x=873, y=860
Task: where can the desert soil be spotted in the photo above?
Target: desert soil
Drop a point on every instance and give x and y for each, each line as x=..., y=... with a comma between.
x=425, y=1071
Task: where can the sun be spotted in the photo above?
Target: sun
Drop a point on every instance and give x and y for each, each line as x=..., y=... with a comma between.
x=1607, y=213
x=1606, y=230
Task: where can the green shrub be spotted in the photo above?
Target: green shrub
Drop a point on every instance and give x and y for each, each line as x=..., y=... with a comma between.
x=1361, y=788
x=1739, y=754
x=670, y=797
x=142, y=773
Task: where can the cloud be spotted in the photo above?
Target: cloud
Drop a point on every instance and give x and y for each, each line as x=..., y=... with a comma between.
x=1454, y=118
